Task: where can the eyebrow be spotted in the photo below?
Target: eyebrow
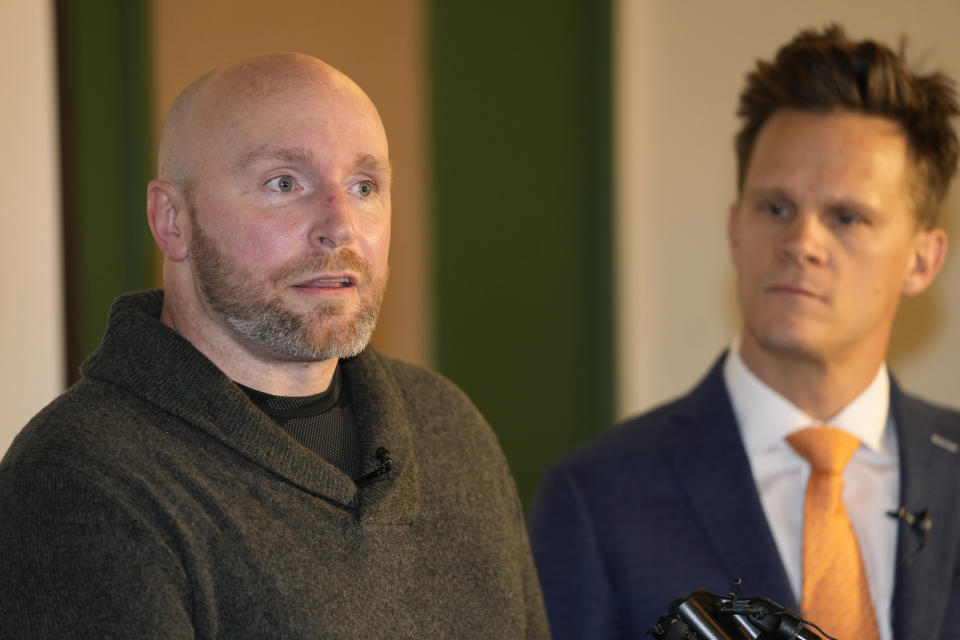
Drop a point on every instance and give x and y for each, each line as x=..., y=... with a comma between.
x=779, y=193
x=262, y=154
x=366, y=161
x=763, y=193
x=373, y=163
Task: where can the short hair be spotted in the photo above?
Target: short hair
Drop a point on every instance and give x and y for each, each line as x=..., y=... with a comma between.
x=826, y=72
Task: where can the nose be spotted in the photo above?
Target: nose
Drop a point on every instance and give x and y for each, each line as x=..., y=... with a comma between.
x=803, y=240
x=332, y=220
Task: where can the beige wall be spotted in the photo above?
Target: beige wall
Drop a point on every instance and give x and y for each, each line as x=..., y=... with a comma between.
x=31, y=325
x=679, y=67
x=380, y=44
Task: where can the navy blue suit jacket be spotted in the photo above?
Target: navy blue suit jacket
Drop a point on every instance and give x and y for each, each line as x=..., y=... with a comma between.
x=666, y=503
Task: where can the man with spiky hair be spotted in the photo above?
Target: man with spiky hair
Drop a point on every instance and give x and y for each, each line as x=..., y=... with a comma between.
x=236, y=462
x=797, y=463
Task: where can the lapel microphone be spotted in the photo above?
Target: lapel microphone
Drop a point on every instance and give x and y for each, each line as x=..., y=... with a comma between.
x=384, y=467
x=920, y=523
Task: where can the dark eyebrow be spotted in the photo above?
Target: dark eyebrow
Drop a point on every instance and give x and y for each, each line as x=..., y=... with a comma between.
x=763, y=193
x=261, y=154
x=833, y=202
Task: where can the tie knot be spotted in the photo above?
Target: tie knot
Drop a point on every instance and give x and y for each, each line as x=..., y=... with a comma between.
x=825, y=448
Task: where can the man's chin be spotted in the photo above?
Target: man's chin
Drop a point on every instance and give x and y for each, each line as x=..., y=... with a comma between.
x=340, y=337
x=789, y=341
x=308, y=352
x=282, y=334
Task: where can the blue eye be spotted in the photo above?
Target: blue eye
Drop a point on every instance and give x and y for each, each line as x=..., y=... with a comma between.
x=363, y=189
x=284, y=184
x=846, y=218
x=778, y=209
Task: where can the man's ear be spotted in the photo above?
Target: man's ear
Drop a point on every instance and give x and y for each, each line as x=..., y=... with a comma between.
x=166, y=212
x=927, y=256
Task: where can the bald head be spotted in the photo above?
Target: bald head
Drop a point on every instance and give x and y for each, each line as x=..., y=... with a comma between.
x=272, y=209
x=210, y=110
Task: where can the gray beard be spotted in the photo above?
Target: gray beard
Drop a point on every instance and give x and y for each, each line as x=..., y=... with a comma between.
x=326, y=331
x=275, y=328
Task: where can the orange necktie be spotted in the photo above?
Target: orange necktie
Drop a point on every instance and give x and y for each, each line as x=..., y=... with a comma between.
x=835, y=591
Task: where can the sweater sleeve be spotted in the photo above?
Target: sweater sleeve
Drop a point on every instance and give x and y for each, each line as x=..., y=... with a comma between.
x=77, y=562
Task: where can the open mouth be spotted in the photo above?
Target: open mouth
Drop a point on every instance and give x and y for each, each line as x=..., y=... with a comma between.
x=327, y=283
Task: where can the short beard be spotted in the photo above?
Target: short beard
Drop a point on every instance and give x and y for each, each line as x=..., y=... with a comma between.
x=326, y=331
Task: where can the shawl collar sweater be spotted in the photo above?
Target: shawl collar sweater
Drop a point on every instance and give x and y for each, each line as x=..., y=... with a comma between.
x=154, y=499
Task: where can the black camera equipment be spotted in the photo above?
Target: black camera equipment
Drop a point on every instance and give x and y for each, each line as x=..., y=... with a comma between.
x=705, y=616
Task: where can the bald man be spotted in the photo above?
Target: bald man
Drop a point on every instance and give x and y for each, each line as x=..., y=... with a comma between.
x=236, y=462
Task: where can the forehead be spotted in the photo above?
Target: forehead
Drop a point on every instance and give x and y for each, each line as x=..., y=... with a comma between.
x=826, y=153
x=281, y=119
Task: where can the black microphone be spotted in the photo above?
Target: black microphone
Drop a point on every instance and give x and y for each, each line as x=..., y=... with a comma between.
x=920, y=522
x=706, y=616
x=384, y=467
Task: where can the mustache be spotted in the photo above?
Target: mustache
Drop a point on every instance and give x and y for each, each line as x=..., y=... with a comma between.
x=340, y=260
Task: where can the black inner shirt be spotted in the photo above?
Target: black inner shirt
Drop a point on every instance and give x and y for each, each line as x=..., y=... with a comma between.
x=322, y=422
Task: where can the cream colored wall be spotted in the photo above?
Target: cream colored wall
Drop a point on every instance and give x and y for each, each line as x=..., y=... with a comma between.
x=31, y=325
x=380, y=44
x=679, y=67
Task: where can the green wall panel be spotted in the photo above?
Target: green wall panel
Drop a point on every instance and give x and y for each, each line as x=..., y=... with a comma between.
x=107, y=160
x=521, y=96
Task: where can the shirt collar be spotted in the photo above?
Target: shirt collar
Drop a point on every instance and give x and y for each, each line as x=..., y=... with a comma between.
x=765, y=417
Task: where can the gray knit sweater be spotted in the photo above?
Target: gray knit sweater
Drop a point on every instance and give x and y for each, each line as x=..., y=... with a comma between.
x=154, y=500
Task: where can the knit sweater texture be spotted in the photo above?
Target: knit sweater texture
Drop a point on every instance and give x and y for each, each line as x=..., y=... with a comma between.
x=153, y=499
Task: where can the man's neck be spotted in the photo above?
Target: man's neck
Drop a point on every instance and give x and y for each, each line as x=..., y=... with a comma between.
x=285, y=379
x=820, y=387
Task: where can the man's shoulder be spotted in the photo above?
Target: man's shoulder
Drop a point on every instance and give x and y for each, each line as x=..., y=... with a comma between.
x=639, y=440
x=647, y=434
x=633, y=474
x=418, y=385
x=911, y=406
x=923, y=426
x=76, y=425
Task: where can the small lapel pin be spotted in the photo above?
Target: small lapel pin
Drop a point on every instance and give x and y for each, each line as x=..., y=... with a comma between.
x=944, y=443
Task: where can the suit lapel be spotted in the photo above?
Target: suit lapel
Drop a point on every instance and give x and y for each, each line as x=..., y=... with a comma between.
x=929, y=480
x=712, y=467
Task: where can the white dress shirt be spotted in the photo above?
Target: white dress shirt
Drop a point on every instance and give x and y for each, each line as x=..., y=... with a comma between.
x=871, y=479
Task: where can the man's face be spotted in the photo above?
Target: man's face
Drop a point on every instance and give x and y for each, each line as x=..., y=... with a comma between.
x=823, y=235
x=291, y=223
